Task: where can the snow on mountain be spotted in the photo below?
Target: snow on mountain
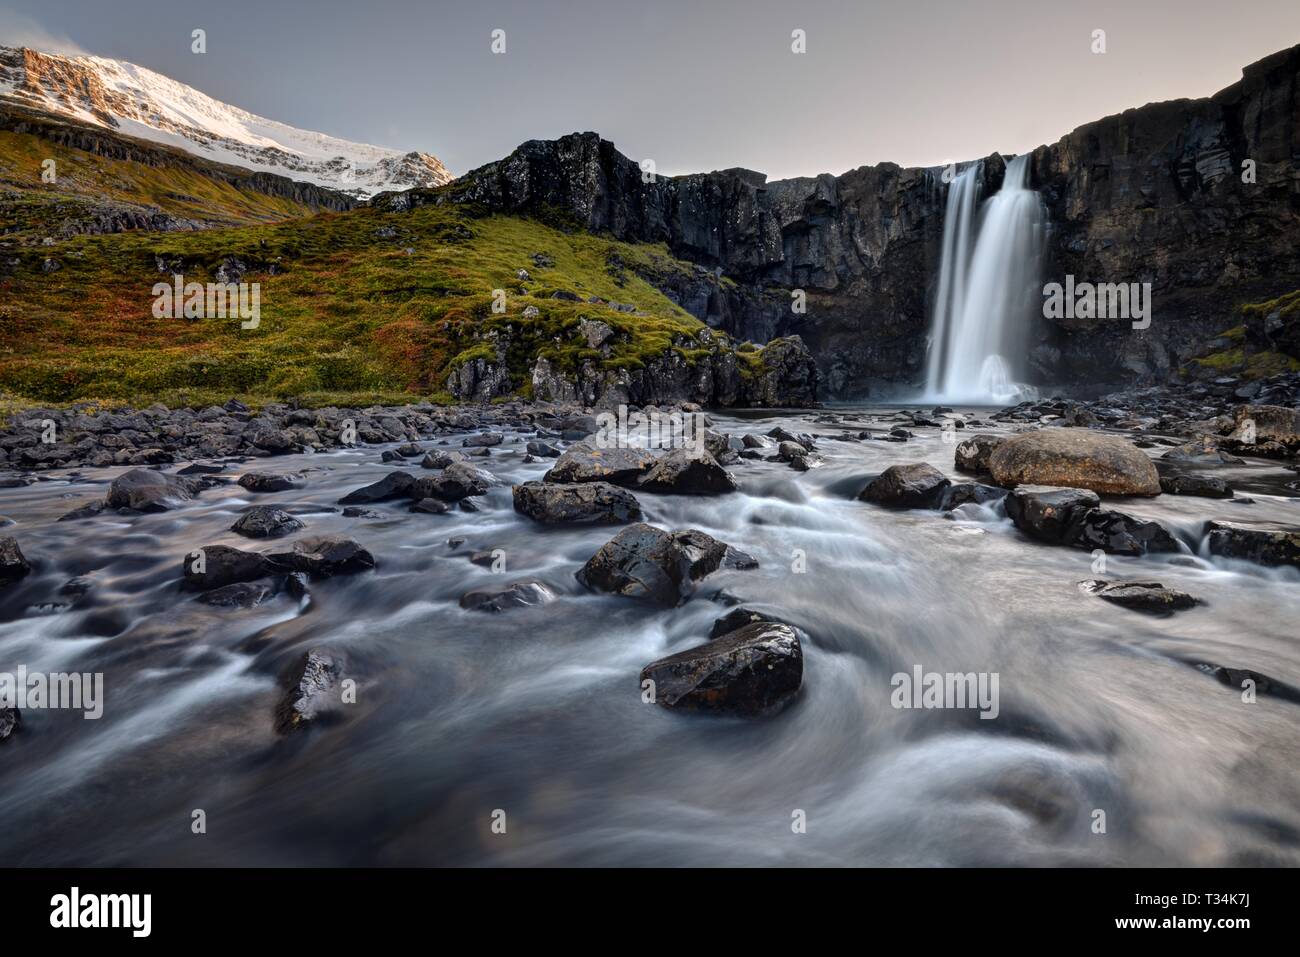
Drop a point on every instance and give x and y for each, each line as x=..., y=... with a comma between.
x=144, y=104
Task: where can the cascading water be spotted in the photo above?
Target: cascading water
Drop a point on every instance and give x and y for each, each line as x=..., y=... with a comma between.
x=987, y=290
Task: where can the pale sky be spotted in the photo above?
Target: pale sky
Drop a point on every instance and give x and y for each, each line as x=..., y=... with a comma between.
x=694, y=85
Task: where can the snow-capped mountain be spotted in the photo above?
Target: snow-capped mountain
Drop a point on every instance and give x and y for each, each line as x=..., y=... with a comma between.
x=147, y=105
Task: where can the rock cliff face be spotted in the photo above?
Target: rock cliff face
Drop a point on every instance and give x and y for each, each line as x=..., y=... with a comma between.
x=1155, y=194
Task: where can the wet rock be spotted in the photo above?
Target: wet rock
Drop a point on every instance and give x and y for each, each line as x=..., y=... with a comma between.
x=439, y=459
x=1203, y=486
x=1073, y=517
x=915, y=485
x=325, y=557
x=738, y=618
x=11, y=719
x=199, y=468
x=1270, y=423
x=972, y=454
x=543, y=450
x=753, y=670
x=515, y=595
x=265, y=521
x=89, y=510
x=646, y=562
x=1266, y=543
x=457, y=481
x=687, y=472
x=391, y=486
x=785, y=435
x=585, y=462
x=239, y=595
x=215, y=566
x=1074, y=458
x=483, y=440
x=145, y=490
x=13, y=565
x=1242, y=679
x=429, y=506
x=966, y=493
x=1121, y=534
x=1145, y=596
x=313, y=693
x=266, y=482
x=1203, y=451
x=356, y=511
x=587, y=503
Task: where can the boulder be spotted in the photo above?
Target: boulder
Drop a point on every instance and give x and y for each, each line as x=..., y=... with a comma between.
x=266, y=482
x=1074, y=458
x=964, y=493
x=916, y=485
x=430, y=506
x=753, y=670
x=1073, y=517
x=145, y=490
x=1145, y=596
x=586, y=462
x=265, y=521
x=441, y=459
x=13, y=565
x=312, y=693
x=1270, y=423
x=587, y=503
x=483, y=440
x=1266, y=543
x=972, y=454
x=11, y=719
x=457, y=481
x=515, y=595
x=322, y=557
x=216, y=566
x=239, y=595
x=1203, y=486
x=391, y=486
x=687, y=472
x=662, y=567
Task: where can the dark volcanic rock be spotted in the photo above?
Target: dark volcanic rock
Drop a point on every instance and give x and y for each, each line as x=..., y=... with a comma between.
x=917, y=485
x=1150, y=597
x=1265, y=543
x=266, y=482
x=391, y=486
x=145, y=490
x=687, y=472
x=1070, y=516
x=483, y=440
x=963, y=493
x=646, y=562
x=239, y=595
x=515, y=595
x=13, y=565
x=457, y=481
x=431, y=506
x=1243, y=678
x=313, y=691
x=11, y=719
x=751, y=670
x=324, y=557
x=1199, y=485
x=584, y=503
x=586, y=462
x=265, y=521
x=215, y=566
x=1074, y=458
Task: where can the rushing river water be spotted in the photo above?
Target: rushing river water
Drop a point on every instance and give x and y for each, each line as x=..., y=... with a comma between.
x=537, y=712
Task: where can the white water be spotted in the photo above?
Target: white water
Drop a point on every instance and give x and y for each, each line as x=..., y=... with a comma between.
x=987, y=291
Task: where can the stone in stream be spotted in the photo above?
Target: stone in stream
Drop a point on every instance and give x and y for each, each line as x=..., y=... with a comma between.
x=687, y=472
x=239, y=595
x=916, y=485
x=585, y=462
x=1266, y=543
x=972, y=454
x=521, y=594
x=753, y=670
x=1145, y=596
x=13, y=565
x=1244, y=679
x=323, y=557
x=965, y=493
x=313, y=691
x=429, y=506
x=1203, y=486
x=543, y=450
x=1074, y=458
x=1072, y=516
x=587, y=503
x=662, y=567
x=89, y=510
x=1203, y=451
x=265, y=521
x=215, y=566
x=483, y=440
x=439, y=459
x=458, y=480
x=784, y=435
x=144, y=490
x=267, y=482
x=1260, y=424
x=391, y=486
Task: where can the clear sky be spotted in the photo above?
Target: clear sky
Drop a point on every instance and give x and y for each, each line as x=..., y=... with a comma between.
x=692, y=84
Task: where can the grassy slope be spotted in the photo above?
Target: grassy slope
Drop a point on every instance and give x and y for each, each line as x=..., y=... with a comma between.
x=348, y=312
x=36, y=208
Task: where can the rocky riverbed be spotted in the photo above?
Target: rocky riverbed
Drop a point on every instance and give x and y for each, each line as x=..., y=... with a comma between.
x=352, y=636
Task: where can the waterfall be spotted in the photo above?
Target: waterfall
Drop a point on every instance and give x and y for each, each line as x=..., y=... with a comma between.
x=987, y=290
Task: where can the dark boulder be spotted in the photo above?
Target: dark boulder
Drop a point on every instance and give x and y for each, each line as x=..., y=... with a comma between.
x=266, y=482
x=391, y=486
x=431, y=506
x=916, y=485
x=457, y=481
x=11, y=719
x=239, y=595
x=972, y=454
x=483, y=440
x=1073, y=517
x=145, y=490
x=13, y=565
x=646, y=562
x=215, y=566
x=752, y=670
x=265, y=521
x=687, y=472
x=324, y=557
x=966, y=493
x=1264, y=543
x=586, y=503
x=585, y=462
x=515, y=595
x=1203, y=486
x=313, y=691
